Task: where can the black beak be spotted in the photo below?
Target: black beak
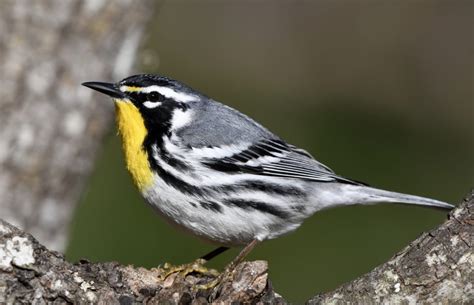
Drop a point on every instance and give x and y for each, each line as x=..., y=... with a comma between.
x=105, y=88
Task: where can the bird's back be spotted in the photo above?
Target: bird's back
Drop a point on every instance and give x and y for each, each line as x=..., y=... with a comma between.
x=214, y=124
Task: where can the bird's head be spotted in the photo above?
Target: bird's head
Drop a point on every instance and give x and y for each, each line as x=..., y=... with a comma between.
x=149, y=100
x=149, y=94
x=145, y=107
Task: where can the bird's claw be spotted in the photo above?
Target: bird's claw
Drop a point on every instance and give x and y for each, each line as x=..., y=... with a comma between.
x=215, y=285
x=195, y=267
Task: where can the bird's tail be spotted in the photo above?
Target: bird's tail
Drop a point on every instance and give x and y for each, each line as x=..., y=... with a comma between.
x=358, y=194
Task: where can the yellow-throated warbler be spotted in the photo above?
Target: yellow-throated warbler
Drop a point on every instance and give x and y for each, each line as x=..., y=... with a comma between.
x=219, y=174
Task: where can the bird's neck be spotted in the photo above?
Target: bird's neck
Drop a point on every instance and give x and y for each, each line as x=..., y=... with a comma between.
x=132, y=129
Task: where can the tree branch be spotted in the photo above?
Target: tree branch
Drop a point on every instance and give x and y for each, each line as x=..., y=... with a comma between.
x=435, y=268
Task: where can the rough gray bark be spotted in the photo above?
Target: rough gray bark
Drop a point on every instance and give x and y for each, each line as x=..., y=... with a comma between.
x=31, y=273
x=435, y=268
x=51, y=127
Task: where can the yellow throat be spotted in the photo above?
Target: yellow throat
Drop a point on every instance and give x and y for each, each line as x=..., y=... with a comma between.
x=132, y=129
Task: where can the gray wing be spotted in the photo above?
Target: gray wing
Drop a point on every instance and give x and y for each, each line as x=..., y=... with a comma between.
x=274, y=157
x=215, y=124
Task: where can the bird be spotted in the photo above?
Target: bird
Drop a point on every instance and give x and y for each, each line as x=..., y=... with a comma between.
x=220, y=175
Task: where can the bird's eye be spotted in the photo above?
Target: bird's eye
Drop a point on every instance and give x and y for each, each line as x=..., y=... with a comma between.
x=155, y=97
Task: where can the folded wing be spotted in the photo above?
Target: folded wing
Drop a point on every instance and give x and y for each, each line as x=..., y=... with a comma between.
x=273, y=157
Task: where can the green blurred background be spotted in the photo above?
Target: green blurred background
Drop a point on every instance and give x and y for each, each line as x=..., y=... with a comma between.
x=380, y=92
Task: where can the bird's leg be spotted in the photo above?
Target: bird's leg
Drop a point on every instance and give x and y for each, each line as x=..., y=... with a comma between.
x=245, y=251
x=213, y=253
x=196, y=266
x=230, y=267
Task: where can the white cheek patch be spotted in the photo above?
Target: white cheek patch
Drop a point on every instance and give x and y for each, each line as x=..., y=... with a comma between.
x=151, y=105
x=180, y=118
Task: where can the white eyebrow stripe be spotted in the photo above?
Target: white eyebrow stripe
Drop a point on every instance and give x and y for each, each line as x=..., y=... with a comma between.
x=166, y=92
x=151, y=105
x=170, y=93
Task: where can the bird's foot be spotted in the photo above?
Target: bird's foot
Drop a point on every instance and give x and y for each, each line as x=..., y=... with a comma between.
x=218, y=280
x=209, y=285
x=195, y=267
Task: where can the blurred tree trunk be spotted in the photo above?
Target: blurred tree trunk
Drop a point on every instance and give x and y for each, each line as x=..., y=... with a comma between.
x=51, y=128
